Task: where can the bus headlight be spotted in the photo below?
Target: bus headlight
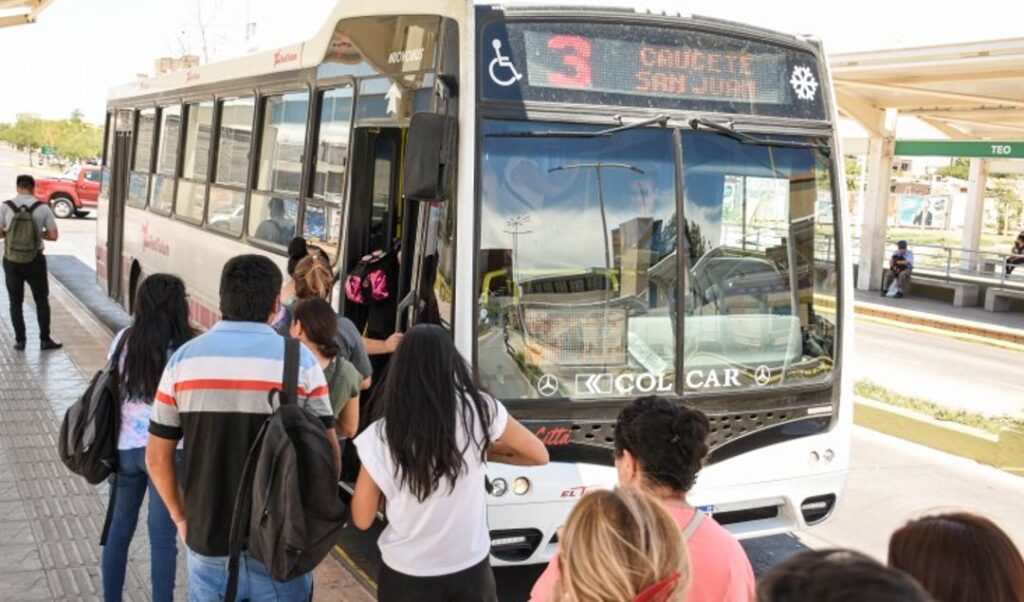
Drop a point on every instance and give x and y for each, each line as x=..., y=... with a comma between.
x=829, y=455
x=499, y=487
x=521, y=486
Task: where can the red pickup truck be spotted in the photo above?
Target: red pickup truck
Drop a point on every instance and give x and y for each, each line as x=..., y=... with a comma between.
x=73, y=192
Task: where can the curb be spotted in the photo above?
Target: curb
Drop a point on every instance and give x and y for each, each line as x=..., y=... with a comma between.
x=1004, y=451
x=963, y=328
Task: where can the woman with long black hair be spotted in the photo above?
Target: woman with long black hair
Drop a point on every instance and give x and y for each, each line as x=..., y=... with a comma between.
x=160, y=326
x=426, y=454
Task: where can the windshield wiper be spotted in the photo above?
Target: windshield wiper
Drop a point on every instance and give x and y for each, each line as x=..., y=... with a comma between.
x=659, y=119
x=698, y=123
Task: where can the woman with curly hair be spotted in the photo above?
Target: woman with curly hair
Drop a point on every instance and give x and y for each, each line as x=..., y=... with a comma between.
x=659, y=448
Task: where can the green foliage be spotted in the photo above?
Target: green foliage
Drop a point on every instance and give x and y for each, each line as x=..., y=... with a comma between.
x=958, y=168
x=73, y=139
x=872, y=390
x=852, y=173
x=1008, y=205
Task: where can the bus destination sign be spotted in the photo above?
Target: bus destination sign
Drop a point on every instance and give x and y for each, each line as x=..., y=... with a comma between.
x=649, y=66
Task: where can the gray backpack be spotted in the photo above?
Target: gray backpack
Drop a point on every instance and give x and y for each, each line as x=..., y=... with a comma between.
x=287, y=512
x=21, y=242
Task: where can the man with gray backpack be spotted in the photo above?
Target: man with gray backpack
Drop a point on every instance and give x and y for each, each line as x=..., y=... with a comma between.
x=24, y=224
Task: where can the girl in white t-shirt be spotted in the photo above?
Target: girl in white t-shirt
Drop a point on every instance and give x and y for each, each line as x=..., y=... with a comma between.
x=426, y=454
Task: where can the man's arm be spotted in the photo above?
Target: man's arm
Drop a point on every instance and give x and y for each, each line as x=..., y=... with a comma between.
x=50, y=232
x=162, y=470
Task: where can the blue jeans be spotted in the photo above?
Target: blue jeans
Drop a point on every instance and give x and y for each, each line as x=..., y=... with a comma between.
x=132, y=483
x=208, y=578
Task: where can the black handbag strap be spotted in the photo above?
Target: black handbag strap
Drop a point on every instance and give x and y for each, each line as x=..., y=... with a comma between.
x=114, y=364
x=110, y=511
x=290, y=377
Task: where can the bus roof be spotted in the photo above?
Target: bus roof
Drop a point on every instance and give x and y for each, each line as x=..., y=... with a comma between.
x=311, y=52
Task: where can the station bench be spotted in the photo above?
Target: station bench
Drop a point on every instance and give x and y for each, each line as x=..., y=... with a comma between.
x=965, y=294
x=991, y=264
x=998, y=299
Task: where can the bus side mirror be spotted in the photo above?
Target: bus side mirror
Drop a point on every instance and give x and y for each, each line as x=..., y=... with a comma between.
x=430, y=155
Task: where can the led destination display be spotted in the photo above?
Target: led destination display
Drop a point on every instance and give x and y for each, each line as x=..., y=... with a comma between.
x=649, y=66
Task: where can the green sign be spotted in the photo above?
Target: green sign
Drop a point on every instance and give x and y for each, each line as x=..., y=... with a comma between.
x=1013, y=149
x=46, y=150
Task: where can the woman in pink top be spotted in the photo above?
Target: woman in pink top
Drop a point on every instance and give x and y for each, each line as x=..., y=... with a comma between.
x=660, y=448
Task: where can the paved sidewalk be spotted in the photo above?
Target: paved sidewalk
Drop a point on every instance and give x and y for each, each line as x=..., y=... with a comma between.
x=945, y=309
x=50, y=519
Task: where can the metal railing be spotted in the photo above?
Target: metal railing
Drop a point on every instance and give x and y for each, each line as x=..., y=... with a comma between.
x=956, y=261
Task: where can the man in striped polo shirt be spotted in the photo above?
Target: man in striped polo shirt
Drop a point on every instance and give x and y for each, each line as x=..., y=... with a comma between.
x=214, y=393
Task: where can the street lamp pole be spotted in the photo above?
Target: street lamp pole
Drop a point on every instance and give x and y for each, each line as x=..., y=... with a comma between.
x=599, y=167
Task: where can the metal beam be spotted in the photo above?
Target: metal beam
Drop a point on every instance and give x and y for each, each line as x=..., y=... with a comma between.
x=1017, y=127
x=870, y=117
x=950, y=131
x=935, y=93
x=14, y=20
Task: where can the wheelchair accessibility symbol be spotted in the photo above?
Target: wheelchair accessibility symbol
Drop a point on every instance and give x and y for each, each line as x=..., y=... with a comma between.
x=499, y=60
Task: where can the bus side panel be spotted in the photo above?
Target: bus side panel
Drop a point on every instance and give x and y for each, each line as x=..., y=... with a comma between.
x=160, y=244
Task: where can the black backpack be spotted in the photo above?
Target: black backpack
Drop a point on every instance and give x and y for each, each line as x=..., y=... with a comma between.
x=287, y=511
x=88, y=433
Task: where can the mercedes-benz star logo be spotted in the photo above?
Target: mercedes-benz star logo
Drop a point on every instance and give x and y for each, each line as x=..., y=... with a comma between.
x=547, y=385
x=762, y=375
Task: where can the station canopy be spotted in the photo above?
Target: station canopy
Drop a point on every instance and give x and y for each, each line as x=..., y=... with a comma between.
x=20, y=12
x=967, y=91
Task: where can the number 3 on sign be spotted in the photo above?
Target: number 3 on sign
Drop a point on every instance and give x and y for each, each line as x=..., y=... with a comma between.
x=575, y=57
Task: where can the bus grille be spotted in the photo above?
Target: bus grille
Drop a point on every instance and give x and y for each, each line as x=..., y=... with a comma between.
x=724, y=427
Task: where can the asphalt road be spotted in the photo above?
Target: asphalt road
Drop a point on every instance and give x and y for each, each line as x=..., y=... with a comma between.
x=77, y=235
x=945, y=370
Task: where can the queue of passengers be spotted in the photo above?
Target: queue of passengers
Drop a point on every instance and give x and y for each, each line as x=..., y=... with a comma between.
x=195, y=402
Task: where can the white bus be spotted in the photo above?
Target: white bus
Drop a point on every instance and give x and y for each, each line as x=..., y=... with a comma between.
x=599, y=203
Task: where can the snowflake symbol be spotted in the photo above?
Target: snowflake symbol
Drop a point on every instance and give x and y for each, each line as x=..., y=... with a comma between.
x=803, y=83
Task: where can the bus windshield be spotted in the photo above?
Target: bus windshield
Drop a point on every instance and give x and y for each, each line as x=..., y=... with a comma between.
x=584, y=264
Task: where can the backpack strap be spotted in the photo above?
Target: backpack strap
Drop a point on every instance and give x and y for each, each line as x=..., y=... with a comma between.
x=290, y=378
x=35, y=206
x=693, y=525
x=10, y=203
x=238, y=534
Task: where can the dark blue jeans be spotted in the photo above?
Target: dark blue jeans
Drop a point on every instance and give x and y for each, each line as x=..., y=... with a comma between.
x=132, y=483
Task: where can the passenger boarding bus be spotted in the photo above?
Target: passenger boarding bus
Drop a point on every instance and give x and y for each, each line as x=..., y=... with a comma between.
x=599, y=203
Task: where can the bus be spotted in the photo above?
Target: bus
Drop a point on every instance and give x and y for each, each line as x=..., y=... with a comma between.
x=599, y=203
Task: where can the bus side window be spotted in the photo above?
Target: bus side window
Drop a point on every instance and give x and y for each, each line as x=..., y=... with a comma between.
x=190, y=198
x=274, y=204
x=138, y=181
x=226, y=206
x=323, y=219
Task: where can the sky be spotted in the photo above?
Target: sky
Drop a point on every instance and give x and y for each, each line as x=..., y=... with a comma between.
x=80, y=48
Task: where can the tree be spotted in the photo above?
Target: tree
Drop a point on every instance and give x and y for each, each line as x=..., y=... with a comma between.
x=1008, y=205
x=852, y=173
x=958, y=168
x=71, y=139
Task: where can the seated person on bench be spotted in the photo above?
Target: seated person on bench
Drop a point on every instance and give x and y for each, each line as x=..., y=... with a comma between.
x=901, y=264
x=1016, y=254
